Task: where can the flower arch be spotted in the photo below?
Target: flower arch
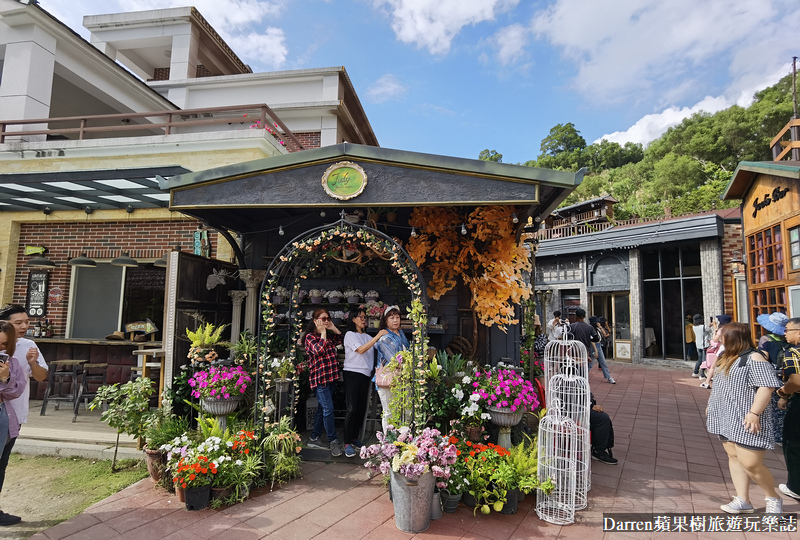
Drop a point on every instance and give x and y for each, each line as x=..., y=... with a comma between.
x=298, y=259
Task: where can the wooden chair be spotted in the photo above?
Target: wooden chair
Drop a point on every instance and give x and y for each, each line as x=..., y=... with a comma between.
x=91, y=373
x=55, y=376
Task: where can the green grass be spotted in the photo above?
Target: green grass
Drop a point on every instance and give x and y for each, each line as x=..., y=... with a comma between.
x=52, y=489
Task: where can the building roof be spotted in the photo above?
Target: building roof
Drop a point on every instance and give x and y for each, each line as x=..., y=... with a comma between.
x=703, y=226
x=75, y=190
x=590, y=203
x=746, y=172
x=236, y=196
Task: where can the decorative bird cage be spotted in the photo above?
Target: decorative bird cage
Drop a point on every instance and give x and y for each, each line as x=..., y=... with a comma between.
x=558, y=451
x=564, y=356
x=572, y=393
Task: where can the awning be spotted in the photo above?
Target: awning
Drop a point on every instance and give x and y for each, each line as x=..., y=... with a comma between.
x=75, y=190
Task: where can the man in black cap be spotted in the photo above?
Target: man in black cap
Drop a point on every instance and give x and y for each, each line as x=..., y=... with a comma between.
x=583, y=332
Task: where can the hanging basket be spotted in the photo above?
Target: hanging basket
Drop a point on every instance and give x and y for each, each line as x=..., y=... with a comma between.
x=220, y=407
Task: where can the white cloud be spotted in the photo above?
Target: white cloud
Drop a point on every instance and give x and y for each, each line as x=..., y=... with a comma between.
x=433, y=25
x=639, y=51
x=267, y=49
x=510, y=43
x=386, y=88
x=652, y=126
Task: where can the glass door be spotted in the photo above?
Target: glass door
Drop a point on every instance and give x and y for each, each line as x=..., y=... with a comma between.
x=622, y=325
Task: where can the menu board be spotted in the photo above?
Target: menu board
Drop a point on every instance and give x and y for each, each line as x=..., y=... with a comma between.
x=36, y=299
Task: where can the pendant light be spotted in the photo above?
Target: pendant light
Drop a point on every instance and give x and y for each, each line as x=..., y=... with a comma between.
x=125, y=260
x=40, y=261
x=83, y=262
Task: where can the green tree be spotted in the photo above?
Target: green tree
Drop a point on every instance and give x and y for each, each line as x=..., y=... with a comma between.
x=562, y=138
x=490, y=155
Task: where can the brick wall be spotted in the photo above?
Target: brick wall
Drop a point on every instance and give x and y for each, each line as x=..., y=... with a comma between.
x=100, y=240
x=160, y=74
x=731, y=241
x=308, y=139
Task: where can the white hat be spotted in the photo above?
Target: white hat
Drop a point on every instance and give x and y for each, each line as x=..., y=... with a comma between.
x=390, y=308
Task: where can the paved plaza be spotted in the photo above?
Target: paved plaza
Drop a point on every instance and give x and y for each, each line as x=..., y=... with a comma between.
x=668, y=464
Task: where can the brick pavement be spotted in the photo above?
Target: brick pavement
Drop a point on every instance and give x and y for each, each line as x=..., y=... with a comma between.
x=668, y=463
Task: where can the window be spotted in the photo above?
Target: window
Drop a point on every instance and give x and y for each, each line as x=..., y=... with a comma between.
x=794, y=247
x=106, y=298
x=765, y=254
x=559, y=271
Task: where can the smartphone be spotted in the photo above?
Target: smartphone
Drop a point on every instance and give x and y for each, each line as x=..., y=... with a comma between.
x=3, y=357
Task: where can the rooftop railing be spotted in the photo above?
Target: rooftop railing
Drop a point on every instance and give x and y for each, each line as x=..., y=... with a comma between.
x=151, y=123
x=781, y=148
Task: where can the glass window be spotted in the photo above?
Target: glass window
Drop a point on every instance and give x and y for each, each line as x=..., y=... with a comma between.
x=794, y=247
x=106, y=298
x=765, y=256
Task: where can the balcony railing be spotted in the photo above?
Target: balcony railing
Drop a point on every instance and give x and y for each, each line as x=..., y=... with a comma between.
x=583, y=217
x=589, y=228
x=780, y=148
x=157, y=122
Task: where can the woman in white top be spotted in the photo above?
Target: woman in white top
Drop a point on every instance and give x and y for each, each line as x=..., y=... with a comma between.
x=359, y=363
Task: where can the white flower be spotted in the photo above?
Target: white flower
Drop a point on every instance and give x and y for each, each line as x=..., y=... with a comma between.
x=486, y=416
x=239, y=463
x=229, y=444
x=458, y=393
x=466, y=380
x=474, y=397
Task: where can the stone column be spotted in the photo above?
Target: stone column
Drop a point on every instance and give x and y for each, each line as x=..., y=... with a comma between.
x=183, y=59
x=637, y=306
x=236, y=318
x=252, y=280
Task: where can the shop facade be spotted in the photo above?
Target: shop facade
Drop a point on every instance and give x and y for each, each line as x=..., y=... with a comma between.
x=770, y=194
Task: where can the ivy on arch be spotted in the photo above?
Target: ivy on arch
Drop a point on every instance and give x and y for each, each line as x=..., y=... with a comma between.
x=297, y=260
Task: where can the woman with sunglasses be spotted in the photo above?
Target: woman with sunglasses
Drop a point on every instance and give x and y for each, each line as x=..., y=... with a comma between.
x=359, y=361
x=388, y=346
x=13, y=381
x=322, y=338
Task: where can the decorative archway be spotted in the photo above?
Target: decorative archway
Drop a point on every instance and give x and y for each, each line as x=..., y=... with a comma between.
x=348, y=243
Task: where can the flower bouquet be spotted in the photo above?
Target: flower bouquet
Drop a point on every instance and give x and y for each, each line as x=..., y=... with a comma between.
x=411, y=456
x=218, y=383
x=334, y=296
x=279, y=295
x=372, y=296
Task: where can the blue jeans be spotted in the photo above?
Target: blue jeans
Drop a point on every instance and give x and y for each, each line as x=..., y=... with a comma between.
x=701, y=357
x=324, y=418
x=3, y=424
x=601, y=359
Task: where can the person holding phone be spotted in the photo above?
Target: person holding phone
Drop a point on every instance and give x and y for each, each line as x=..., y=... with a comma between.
x=12, y=382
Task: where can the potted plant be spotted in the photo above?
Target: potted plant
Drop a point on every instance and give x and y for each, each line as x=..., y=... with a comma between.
x=416, y=464
x=456, y=485
x=334, y=296
x=282, y=450
x=374, y=311
x=203, y=341
x=194, y=474
x=282, y=369
x=472, y=417
x=220, y=389
x=480, y=463
x=164, y=427
x=245, y=350
x=279, y=295
x=127, y=409
x=237, y=466
x=506, y=395
x=353, y=296
x=372, y=296
x=316, y=295
x=391, y=214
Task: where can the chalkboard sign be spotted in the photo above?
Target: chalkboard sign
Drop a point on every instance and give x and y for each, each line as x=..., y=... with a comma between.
x=36, y=299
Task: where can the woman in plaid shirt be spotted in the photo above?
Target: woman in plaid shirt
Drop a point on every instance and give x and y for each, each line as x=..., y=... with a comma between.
x=321, y=340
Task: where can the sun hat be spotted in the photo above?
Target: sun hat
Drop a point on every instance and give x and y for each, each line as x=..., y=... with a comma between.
x=115, y=335
x=774, y=323
x=390, y=308
x=724, y=319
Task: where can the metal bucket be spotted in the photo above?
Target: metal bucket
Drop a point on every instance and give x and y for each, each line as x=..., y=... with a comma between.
x=412, y=502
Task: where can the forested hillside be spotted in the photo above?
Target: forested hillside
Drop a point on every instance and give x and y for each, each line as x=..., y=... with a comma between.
x=685, y=169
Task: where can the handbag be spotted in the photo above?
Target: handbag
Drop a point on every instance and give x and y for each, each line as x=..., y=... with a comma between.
x=384, y=376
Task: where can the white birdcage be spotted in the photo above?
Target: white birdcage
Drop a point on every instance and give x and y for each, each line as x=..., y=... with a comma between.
x=557, y=448
x=564, y=356
x=571, y=392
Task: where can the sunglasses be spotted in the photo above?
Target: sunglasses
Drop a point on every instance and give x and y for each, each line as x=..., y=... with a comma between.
x=323, y=318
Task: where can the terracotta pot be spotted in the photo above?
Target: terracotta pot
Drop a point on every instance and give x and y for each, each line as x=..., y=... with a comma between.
x=391, y=217
x=180, y=493
x=156, y=462
x=474, y=433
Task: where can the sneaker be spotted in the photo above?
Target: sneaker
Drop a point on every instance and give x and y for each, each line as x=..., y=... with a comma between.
x=611, y=380
x=8, y=519
x=702, y=377
x=605, y=457
x=356, y=443
x=737, y=506
x=349, y=451
x=316, y=442
x=336, y=448
x=705, y=385
x=695, y=375
x=774, y=505
x=783, y=488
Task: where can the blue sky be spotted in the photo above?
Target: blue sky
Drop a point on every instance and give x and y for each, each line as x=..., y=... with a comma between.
x=453, y=77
